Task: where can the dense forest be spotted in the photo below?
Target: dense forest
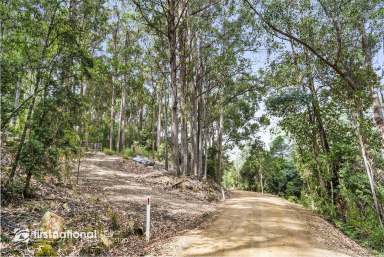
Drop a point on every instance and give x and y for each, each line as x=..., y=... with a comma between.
x=185, y=82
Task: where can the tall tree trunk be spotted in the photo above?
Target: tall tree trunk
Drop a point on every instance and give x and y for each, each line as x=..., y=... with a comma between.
x=200, y=147
x=114, y=82
x=219, y=147
x=172, y=10
x=120, y=142
x=166, y=102
x=205, y=157
x=183, y=79
x=356, y=117
x=119, y=127
x=200, y=113
x=194, y=131
x=141, y=118
x=158, y=119
x=112, y=118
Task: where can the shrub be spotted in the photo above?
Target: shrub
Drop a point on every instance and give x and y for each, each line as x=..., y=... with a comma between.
x=128, y=153
x=108, y=151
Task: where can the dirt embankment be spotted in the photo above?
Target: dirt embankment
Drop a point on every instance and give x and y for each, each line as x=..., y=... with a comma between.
x=111, y=198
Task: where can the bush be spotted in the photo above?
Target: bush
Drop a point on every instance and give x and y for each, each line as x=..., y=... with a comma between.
x=108, y=151
x=140, y=150
x=128, y=153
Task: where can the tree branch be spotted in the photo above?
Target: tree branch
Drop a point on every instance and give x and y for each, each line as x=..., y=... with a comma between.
x=205, y=7
x=351, y=83
x=146, y=19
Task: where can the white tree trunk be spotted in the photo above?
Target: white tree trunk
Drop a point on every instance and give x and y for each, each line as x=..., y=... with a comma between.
x=368, y=166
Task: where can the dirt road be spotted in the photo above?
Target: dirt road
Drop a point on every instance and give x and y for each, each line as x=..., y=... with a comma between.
x=250, y=224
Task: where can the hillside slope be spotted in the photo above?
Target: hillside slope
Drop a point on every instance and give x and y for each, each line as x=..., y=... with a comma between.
x=110, y=198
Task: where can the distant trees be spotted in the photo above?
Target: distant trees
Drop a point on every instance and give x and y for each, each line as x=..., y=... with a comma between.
x=272, y=171
x=203, y=70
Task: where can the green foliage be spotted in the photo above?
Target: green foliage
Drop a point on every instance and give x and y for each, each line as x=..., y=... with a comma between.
x=360, y=222
x=140, y=150
x=277, y=170
x=44, y=249
x=160, y=153
x=128, y=153
x=231, y=178
x=108, y=151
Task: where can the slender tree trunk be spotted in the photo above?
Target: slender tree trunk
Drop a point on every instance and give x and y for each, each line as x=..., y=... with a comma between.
x=205, y=157
x=194, y=132
x=153, y=127
x=112, y=118
x=114, y=80
x=183, y=79
x=166, y=129
x=219, y=147
x=119, y=127
x=172, y=46
x=17, y=99
x=121, y=132
x=200, y=148
x=158, y=120
x=25, y=129
x=141, y=118
x=356, y=116
x=200, y=128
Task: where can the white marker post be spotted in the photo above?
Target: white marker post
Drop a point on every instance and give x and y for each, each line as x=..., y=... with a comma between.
x=148, y=219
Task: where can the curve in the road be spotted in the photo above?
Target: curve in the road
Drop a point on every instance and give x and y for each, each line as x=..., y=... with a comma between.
x=250, y=224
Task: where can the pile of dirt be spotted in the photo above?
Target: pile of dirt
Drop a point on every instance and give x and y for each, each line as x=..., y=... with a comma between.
x=192, y=186
x=110, y=199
